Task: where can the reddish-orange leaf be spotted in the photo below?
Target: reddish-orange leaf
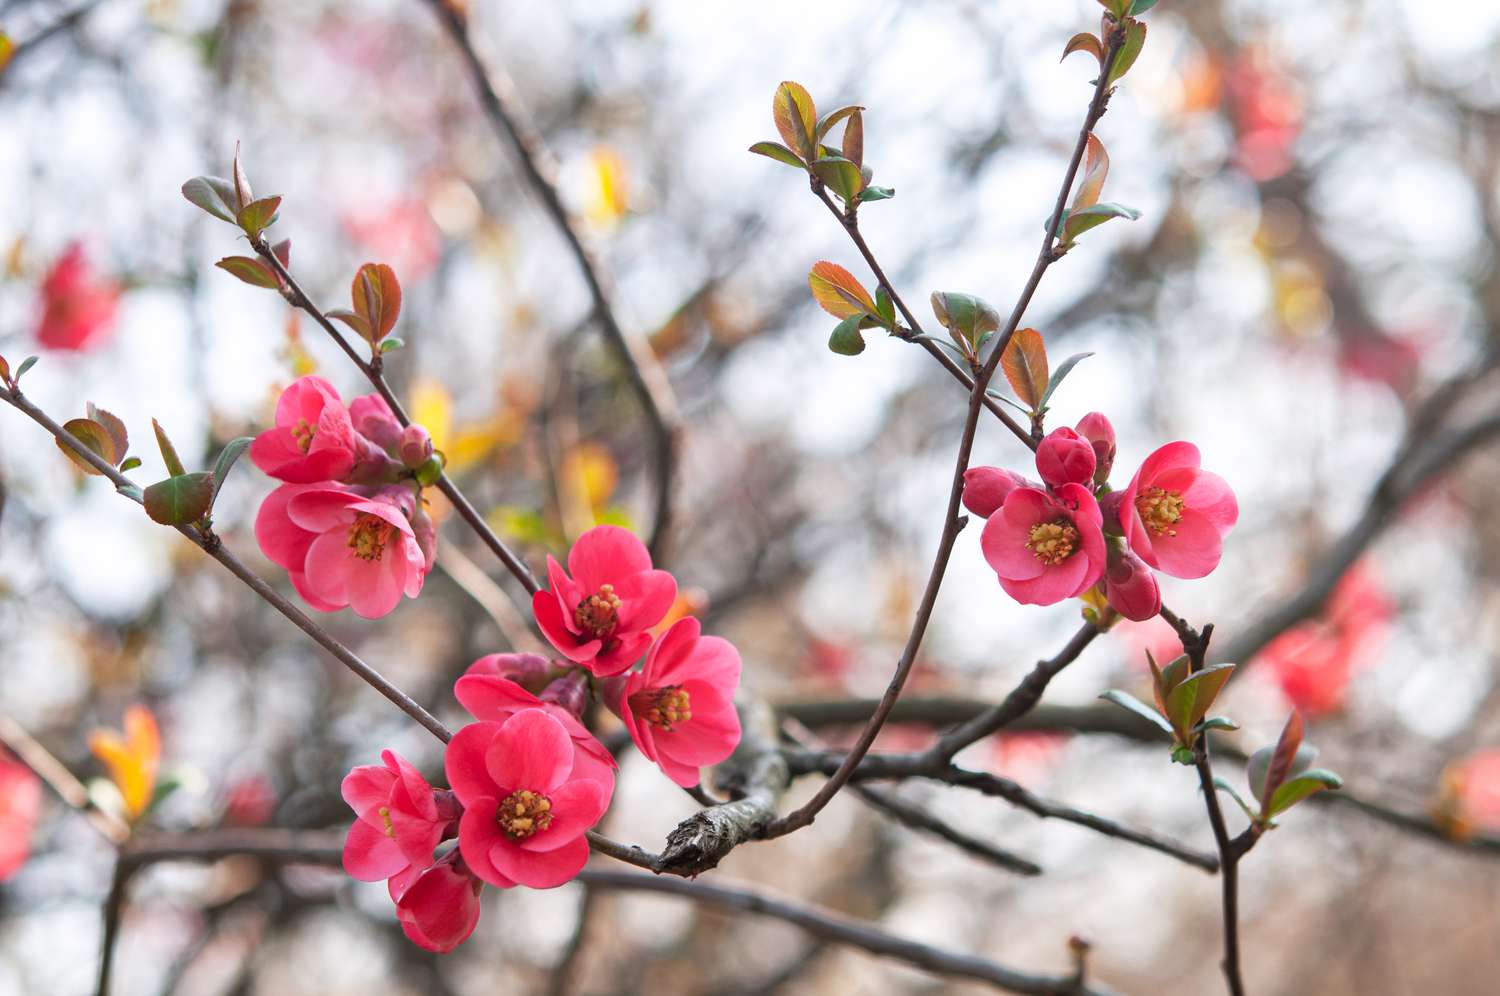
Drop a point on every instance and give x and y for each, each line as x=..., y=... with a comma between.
x=837, y=292
x=1095, y=169
x=377, y=298
x=1285, y=754
x=132, y=758
x=1025, y=365
x=1085, y=42
x=796, y=118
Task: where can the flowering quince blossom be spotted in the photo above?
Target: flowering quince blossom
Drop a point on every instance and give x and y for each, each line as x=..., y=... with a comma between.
x=985, y=488
x=1101, y=436
x=1174, y=515
x=491, y=698
x=525, y=809
x=1065, y=457
x=600, y=612
x=401, y=820
x=438, y=906
x=314, y=439
x=1046, y=547
x=20, y=806
x=77, y=307
x=343, y=548
x=1130, y=586
x=679, y=708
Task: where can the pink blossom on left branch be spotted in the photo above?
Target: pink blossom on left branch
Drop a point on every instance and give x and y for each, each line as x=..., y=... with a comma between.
x=77, y=307
x=20, y=807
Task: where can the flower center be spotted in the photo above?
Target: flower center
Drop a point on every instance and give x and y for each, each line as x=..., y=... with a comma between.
x=385, y=814
x=1053, y=542
x=523, y=813
x=1160, y=510
x=303, y=434
x=662, y=707
x=598, y=614
x=368, y=535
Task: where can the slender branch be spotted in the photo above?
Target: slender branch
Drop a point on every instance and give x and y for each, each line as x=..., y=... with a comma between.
x=58, y=778
x=917, y=817
x=1229, y=865
x=210, y=544
x=648, y=380
x=837, y=928
x=298, y=298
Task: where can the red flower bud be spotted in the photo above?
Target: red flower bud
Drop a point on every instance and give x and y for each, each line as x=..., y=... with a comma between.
x=1131, y=587
x=1065, y=457
x=416, y=446
x=571, y=691
x=985, y=488
x=1101, y=435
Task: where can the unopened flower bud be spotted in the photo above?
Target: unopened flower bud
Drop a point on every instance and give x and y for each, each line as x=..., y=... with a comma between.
x=1101, y=435
x=416, y=446
x=1109, y=508
x=985, y=488
x=1131, y=587
x=425, y=531
x=1065, y=457
x=530, y=671
x=571, y=691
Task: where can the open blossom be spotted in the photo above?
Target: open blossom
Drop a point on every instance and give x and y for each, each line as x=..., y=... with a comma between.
x=1065, y=457
x=1130, y=586
x=314, y=439
x=1046, y=547
x=78, y=307
x=985, y=488
x=400, y=819
x=600, y=612
x=525, y=808
x=438, y=906
x=342, y=548
x=1174, y=515
x=679, y=708
x=20, y=806
x=491, y=698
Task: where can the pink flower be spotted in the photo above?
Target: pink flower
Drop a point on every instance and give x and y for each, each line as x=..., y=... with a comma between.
x=601, y=616
x=20, y=807
x=416, y=446
x=494, y=699
x=1046, y=547
x=313, y=439
x=1130, y=587
x=1174, y=515
x=530, y=671
x=400, y=819
x=340, y=548
x=373, y=419
x=679, y=708
x=985, y=488
x=438, y=907
x=525, y=809
x=1101, y=436
x=78, y=307
x=1065, y=457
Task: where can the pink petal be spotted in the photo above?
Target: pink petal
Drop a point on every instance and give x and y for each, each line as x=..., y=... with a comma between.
x=1047, y=589
x=576, y=806
x=714, y=660
x=553, y=623
x=1172, y=455
x=367, y=788
x=1004, y=547
x=532, y=751
x=606, y=554
x=1194, y=552
x=540, y=869
x=490, y=697
x=620, y=657
x=319, y=510
x=312, y=598
x=418, y=792
x=645, y=598
x=708, y=738
x=282, y=541
x=374, y=587
x=369, y=855
x=463, y=763
x=478, y=837
x=328, y=567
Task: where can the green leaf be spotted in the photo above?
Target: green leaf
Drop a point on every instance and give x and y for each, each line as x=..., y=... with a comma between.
x=391, y=343
x=243, y=196
x=1141, y=6
x=1135, y=40
x=841, y=175
x=883, y=306
x=966, y=317
x=846, y=339
x=1191, y=699
x=93, y=436
x=26, y=365
x=257, y=216
x=131, y=491
x=130, y=464
x=251, y=271
x=1216, y=723
x=114, y=427
x=208, y=193
x=349, y=318
x=1115, y=7
x=1093, y=216
x=778, y=152
x=180, y=499
x=1065, y=368
x=876, y=194
x=168, y=451
x=1294, y=790
x=231, y=452
x=997, y=395
x=832, y=118
x=1141, y=709
x=1224, y=786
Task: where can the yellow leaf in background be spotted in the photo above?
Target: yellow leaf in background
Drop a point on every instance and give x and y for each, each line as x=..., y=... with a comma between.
x=432, y=408
x=131, y=758
x=15, y=256
x=590, y=474
x=690, y=602
x=609, y=195
x=292, y=352
x=7, y=49
x=472, y=444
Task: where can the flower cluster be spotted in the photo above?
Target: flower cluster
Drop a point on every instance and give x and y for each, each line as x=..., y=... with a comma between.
x=528, y=779
x=348, y=524
x=1061, y=537
x=78, y=306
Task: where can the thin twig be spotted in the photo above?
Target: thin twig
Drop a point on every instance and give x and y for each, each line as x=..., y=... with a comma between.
x=57, y=777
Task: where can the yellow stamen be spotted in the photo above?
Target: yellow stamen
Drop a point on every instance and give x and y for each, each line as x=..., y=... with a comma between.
x=368, y=535
x=385, y=814
x=1160, y=510
x=662, y=707
x=1053, y=542
x=524, y=813
x=598, y=614
x=303, y=434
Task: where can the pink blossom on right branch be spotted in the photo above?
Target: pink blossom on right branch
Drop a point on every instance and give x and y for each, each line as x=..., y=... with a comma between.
x=1130, y=586
x=313, y=439
x=1175, y=515
x=438, y=907
x=679, y=708
x=1046, y=547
